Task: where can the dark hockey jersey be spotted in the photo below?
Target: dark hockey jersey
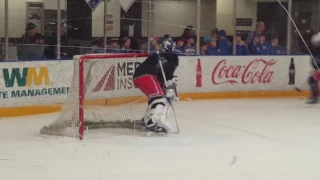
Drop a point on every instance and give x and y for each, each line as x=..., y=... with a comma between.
x=170, y=62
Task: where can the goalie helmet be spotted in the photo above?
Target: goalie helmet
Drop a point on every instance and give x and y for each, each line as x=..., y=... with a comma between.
x=168, y=45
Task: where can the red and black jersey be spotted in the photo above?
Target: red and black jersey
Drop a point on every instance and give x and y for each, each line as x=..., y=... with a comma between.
x=170, y=62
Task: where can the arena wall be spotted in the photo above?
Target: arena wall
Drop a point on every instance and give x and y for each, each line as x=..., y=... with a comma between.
x=28, y=88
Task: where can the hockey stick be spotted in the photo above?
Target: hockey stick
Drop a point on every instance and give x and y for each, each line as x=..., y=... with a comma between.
x=170, y=101
x=297, y=89
x=166, y=85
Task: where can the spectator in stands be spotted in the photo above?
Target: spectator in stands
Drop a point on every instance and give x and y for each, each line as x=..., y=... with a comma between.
x=188, y=31
x=189, y=48
x=68, y=45
x=223, y=43
x=134, y=45
x=179, y=46
x=241, y=47
x=262, y=47
x=203, y=48
x=113, y=46
x=212, y=48
x=166, y=36
x=125, y=46
x=276, y=49
x=66, y=52
x=31, y=42
x=154, y=46
x=215, y=33
x=207, y=39
x=97, y=45
x=251, y=39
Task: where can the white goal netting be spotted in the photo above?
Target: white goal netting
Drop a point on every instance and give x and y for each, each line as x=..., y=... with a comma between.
x=102, y=95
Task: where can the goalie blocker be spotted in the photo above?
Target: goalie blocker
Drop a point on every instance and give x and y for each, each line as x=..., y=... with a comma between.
x=149, y=79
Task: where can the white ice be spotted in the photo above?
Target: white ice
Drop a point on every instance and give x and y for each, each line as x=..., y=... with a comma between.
x=220, y=140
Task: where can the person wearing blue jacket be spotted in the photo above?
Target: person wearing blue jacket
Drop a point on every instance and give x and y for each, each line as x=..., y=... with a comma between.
x=277, y=49
x=261, y=47
x=203, y=48
x=179, y=46
x=223, y=43
x=241, y=48
x=114, y=46
x=190, y=48
x=212, y=48
x=154, y=46
x=125, y=45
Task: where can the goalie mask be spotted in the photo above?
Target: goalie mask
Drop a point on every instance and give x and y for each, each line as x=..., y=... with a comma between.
x=168, y=45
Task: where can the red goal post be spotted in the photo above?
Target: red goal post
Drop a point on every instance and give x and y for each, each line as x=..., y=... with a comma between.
x=99, y=77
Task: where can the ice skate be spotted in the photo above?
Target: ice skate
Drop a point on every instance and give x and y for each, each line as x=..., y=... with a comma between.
x=312, y=100
x=156, y=130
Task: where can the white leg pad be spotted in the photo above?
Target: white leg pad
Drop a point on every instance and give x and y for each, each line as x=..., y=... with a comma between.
x=158, y=114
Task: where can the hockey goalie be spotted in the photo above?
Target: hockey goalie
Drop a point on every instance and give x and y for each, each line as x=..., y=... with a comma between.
x=155, y=78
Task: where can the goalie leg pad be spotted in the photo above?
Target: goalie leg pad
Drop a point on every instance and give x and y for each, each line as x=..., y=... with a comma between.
x=158, y=108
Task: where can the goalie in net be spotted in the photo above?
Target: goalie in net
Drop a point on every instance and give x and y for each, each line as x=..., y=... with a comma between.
x=102, y=93
x=154, y=77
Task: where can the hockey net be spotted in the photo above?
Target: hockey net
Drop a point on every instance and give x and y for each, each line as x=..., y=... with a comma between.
x=102, y=95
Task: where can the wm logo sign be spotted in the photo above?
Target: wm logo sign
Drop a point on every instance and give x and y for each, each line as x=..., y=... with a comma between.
x=26, y=77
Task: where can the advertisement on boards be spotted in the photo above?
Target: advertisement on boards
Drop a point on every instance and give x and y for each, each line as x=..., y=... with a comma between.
x=112, y=79
x=33, y=83
x=247, y=73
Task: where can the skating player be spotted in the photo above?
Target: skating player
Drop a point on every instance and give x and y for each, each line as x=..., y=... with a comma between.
x=314, y=78
x=313, y=81
x=149, y=79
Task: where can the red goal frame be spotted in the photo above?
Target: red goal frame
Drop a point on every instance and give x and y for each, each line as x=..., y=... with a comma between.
x=83, y=59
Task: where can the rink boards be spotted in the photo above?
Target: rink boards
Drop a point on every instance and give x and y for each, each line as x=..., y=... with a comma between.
x=36, y=87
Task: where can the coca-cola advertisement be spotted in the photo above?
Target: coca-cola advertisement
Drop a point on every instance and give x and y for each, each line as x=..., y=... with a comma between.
x=243, y=73
x=257, y=71
x=199, y=74
x=292, y=72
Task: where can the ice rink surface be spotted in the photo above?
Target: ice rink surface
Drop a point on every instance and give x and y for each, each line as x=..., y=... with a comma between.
x=274, y=139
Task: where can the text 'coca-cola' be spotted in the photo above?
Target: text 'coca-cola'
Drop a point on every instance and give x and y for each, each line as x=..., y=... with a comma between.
x=257, y=71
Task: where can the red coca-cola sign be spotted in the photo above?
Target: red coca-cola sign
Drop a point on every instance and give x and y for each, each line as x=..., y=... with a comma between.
x=258, y=71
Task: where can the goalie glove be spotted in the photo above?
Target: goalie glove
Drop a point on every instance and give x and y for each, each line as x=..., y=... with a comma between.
x=170, y=93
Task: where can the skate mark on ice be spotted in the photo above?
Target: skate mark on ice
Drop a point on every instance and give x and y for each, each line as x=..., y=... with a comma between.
x=7, y=160
x=234, y=160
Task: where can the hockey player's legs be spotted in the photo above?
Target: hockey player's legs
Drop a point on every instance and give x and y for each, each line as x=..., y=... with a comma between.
x=155, y=117
x=313, y=82
x=149, y=85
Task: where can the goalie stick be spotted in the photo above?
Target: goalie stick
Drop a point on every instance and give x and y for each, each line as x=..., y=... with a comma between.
x=166, y=85
x=170, y=102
